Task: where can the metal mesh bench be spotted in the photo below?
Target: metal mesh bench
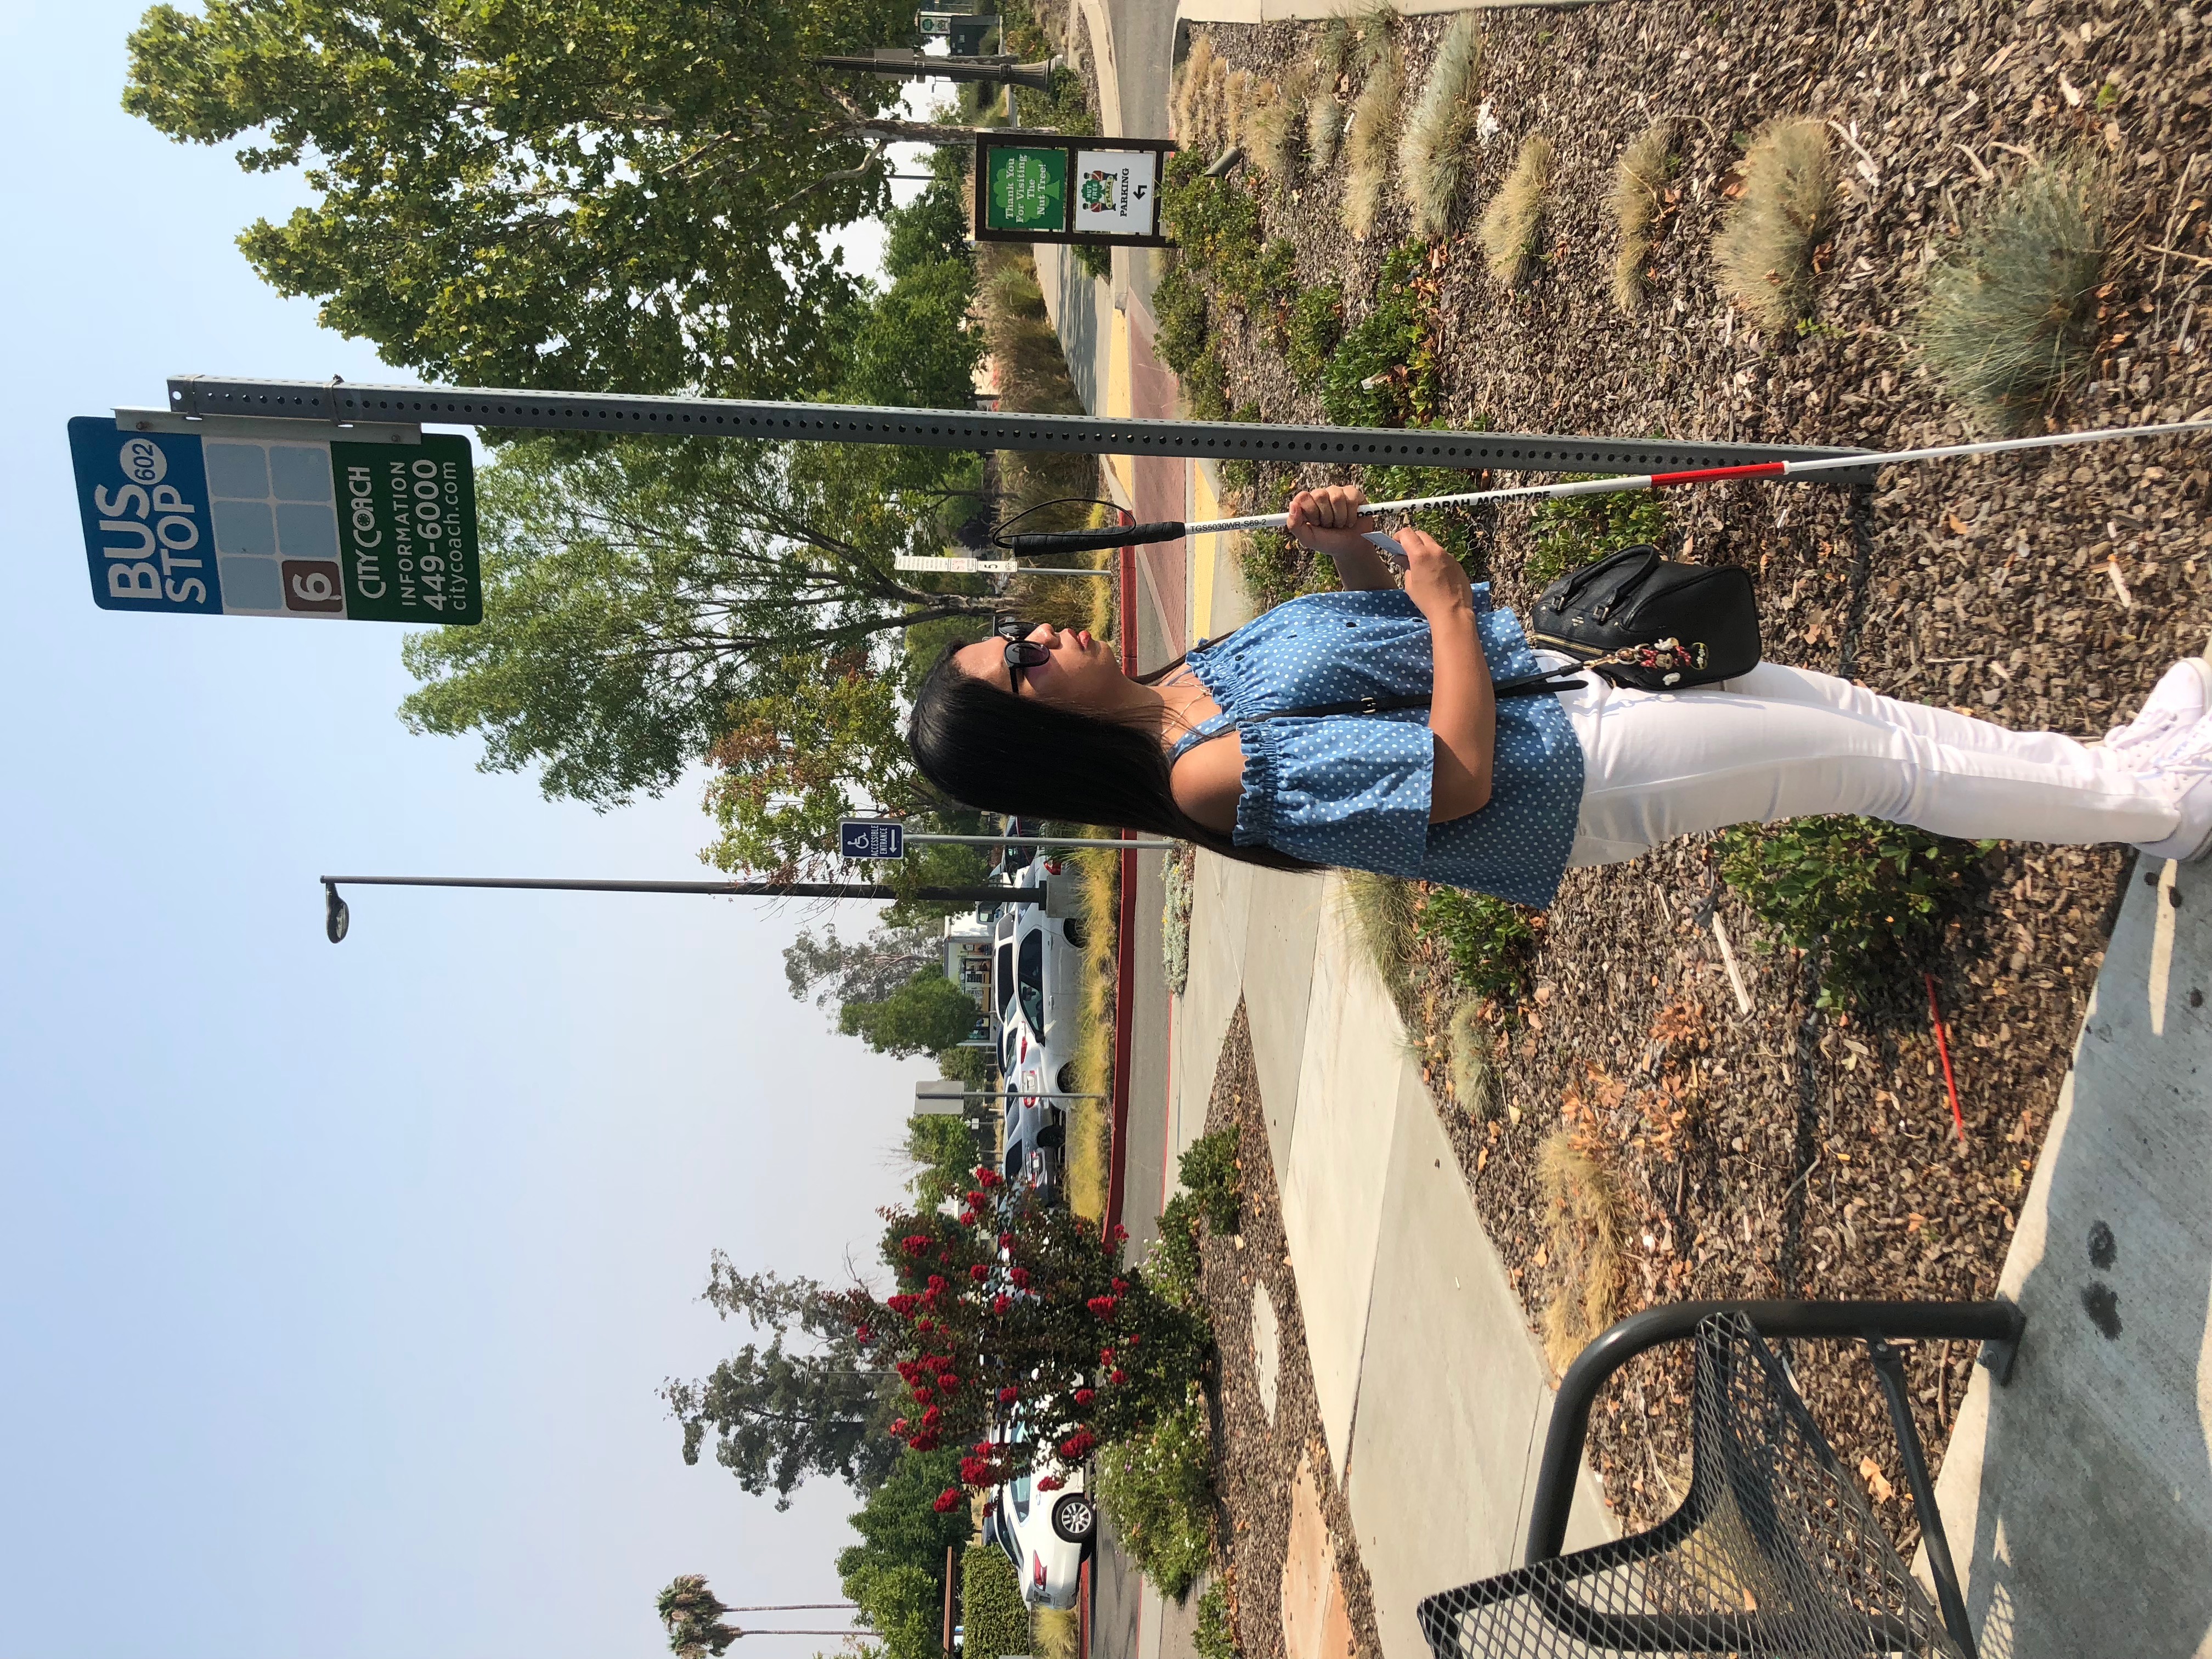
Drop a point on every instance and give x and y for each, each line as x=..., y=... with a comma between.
x=1774, y=1550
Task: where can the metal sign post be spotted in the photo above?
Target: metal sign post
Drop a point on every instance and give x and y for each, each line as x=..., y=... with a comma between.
x=888, y=838
x=197, y=397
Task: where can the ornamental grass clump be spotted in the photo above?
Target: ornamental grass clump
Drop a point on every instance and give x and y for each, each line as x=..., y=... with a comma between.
x=1767, y=252
x=1473, y=1071
x=1273, y=129
x=1514, y=220
x=1433, y=148
x=1200, y=106
x=1382, y=910
x=1640, y=207
x=1324, y=115
x=2009, y=319
x=1872, y=892
x=1583, y=1204
x=1374, y=124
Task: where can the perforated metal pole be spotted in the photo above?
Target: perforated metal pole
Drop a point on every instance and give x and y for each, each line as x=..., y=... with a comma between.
x=345, y=404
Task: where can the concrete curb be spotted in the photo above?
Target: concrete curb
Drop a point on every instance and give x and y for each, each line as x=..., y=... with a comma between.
x=1292, y=11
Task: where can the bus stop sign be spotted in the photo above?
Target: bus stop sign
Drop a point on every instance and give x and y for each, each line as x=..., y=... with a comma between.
x=239, y=525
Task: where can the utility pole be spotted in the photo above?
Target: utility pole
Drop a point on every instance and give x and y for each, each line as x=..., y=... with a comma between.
x=908, y=64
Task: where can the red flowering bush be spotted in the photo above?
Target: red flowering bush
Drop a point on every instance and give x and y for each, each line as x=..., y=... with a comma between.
x=947, y=1501
x=1001, y=1306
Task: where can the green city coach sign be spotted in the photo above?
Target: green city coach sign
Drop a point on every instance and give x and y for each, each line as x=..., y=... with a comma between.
x=231, y=523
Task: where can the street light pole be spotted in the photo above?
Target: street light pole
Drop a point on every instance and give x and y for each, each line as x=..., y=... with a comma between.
x=337, y=918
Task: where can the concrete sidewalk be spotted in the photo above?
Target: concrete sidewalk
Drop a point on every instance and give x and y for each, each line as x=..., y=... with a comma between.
x=2078, y=1500
x=1434, y=1395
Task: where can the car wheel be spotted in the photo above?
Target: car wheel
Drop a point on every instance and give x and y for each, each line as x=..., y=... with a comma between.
x=1066, y=1079
x=1052, y=1137
x=1078, y=932
x=1075, y=1518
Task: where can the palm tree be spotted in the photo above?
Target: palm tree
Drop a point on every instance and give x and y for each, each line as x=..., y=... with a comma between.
x=693, y=1617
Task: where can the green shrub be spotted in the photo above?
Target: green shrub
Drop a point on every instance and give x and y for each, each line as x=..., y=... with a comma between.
x=1158, y=1490
x=1171, y=1266
x=992, y=1612
x=1206, y=387
x=1384, y=372
x=1179, y=310
x=1578, y=529
x=1277, y=569
x=1095, y=261
x=1454, y=526
x=1216, y=224
x=1872, y=891
x=1215, y=1636
x=1490, y=941
x=1210, y=1175
x=1278, y=269
x=1312, y=333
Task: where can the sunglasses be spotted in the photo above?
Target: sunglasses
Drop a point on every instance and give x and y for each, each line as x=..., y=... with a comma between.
x=1021, y=651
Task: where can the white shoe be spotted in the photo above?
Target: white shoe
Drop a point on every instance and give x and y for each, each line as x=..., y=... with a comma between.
x=2181, y=771
x=2178, y=701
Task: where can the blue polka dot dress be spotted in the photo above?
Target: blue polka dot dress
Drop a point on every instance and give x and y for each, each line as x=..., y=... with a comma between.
x=1354, y=789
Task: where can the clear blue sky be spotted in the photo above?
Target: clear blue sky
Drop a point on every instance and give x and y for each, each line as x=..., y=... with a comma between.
x=335, y=1284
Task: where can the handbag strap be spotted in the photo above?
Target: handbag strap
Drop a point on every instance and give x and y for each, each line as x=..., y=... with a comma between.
x=1527, y=685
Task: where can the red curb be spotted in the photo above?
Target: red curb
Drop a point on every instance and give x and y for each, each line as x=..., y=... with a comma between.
x=1125, y=942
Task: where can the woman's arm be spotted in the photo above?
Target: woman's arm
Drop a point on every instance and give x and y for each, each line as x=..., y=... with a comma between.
x=1462, y=708
x=1329, y=521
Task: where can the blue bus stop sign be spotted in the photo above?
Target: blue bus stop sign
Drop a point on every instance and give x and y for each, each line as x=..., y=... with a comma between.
x=871, y=838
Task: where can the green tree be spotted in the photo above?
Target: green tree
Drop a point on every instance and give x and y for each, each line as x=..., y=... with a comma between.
x=895, y=1573
x=778, y=1416
x=620, y=195
x=828, y=970
x=646, y=598
x=929, y=1012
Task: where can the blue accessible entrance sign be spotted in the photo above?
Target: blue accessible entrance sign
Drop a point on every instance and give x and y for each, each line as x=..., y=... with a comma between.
x=871, y=838
x=230, y=524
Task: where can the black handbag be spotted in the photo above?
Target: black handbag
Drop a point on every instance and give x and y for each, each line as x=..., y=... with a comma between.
x=1647, y=622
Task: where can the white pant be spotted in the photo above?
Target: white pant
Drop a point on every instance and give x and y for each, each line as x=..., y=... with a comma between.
x=1784, y=743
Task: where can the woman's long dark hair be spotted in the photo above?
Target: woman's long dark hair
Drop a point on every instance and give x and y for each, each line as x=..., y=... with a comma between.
x=997, y=752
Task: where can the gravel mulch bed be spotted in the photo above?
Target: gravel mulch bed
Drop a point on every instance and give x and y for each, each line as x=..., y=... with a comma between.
x=1258, y=1460
x=1786, y=1152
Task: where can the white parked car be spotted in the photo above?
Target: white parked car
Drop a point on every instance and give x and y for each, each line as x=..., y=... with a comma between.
x=1036, y=982
x=1046, y=1534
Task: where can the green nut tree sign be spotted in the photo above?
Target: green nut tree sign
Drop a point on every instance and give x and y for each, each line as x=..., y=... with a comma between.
x=1040, y=187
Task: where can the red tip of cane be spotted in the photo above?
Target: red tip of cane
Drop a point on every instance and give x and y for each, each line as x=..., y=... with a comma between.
x=1943, y=1049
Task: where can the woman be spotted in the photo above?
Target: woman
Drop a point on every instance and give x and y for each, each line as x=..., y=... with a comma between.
x=1503, y=795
